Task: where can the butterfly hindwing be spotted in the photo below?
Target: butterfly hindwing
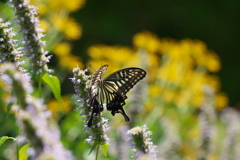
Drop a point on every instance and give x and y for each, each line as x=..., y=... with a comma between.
x=112, y=89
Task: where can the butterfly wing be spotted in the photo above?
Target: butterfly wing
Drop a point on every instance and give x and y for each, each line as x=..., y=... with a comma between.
x=122, y=81
x=95, y=85
x=95, y=96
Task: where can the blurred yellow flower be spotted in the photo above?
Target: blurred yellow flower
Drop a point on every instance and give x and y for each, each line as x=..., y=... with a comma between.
x=55, y=107
x=213, y=81
x=56, y=13
x=178, y=74
x=116, y=57
x=66, y=59
x=70, y=28
x=44, y=25
x=221, y=101
x=71, y=62
x=213, y=157
x=154, y=90
x=146, y=40
x=69, y=5
x=63, y=49
x=169, y=96
x=188, y=151
x=149, y=105
x=197, y=98
x=213, y=62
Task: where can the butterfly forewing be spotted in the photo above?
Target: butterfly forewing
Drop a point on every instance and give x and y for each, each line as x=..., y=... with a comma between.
x=97, y=76
x=125, y=79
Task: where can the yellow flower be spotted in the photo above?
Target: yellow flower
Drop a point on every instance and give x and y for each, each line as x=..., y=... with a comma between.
x=149, y=105
x=169, y=96
x=221, y=101
x=69, y=5
x=116, y=57
x=178, y=74
x=213, y=157
x=55, y=107
x=213, y=62
x=154, y=90
x=66, y=59
x=44, y=25
x=188, y=151
x=213, y=81
x=63, y=49
x=70, y=62
x=96, y=51
x=146, y=40
x=70, y=28
x=197, y=98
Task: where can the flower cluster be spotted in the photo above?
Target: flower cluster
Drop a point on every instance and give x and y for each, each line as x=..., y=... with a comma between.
x=177, y=70
x=42, y=133
x=56, y=21
x=207, y=118
x=177, y=73
x=8, y=46
x=98, y=130
x=141, y=143
x=231, y=142
x=32, y=34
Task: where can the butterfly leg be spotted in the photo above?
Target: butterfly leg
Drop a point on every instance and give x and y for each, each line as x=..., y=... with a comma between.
x=89, y=124
x=97, y=108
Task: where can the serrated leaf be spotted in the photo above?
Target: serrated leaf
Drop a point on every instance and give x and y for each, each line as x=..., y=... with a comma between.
x=23, y=155
x=104, y=149
x=4, y=138
x=54, y=83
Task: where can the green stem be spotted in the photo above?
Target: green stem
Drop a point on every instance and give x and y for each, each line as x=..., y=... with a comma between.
x=17, y=144
x=40, y=85
x=97, y=152
x=17, y=148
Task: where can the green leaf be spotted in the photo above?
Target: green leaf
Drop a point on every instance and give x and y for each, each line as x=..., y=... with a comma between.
x=9, y=107
x=23, y=155
x=54, y=83
x=93, y=147
x=104, y=149
x=4, y=138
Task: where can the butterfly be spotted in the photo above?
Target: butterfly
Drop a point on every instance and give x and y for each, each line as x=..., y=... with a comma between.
x=112, y=90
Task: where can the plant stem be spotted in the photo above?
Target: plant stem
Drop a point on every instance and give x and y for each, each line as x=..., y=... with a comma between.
x=97, y=152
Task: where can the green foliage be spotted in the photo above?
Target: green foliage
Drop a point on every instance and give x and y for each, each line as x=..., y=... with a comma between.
x=105, y=149
x=23, y=154
x=54, y=83
x=4, y=138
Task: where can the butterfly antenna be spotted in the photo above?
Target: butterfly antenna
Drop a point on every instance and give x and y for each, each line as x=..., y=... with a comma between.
x=90, y=66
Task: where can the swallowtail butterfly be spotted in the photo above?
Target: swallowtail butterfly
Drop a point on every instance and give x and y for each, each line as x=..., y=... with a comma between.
x=112, y=90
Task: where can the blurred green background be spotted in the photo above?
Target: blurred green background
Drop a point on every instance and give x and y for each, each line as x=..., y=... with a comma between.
x=216, y=23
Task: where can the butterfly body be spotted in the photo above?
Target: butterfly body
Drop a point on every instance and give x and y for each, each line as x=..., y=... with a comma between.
x=112, y=90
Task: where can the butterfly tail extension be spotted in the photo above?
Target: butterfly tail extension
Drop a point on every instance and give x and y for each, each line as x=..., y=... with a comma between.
x=127, y=119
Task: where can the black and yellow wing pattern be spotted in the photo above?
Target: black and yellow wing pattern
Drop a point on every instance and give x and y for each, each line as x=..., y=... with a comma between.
x=112, y=90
